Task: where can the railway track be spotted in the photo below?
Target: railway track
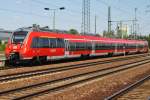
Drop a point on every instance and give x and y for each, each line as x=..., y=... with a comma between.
x=61, y=61
x=128, y=88
x=10, y=77
x=51, y=86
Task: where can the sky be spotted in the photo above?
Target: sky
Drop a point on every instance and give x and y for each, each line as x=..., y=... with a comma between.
x=23, y=13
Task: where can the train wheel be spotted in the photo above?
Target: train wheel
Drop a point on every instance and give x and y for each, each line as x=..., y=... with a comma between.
x=85, y=56
x=7, y=63
x=110, y=54
x=34, y=61
x=14, y=63
x=40, y=60
x=126, y=53
x=43, y=59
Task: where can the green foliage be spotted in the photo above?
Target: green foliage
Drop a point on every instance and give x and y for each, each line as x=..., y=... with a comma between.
x=109, y=34
x=73, y=31
x=2, y=47
x=147, y=38
x=121, y=34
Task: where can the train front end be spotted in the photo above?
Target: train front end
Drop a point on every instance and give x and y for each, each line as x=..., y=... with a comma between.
x=15, y=46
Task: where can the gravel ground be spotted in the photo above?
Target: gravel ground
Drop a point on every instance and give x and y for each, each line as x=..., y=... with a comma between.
x=28, y=69
x=99, y=89
x=52, y=76
x=142, y=92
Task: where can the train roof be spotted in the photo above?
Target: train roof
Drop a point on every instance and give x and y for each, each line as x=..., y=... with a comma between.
x=77, y=37
x=83, y=38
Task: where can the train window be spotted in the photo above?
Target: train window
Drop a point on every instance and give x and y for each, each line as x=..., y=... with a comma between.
x=104, y=46
x=19, y=36
x=131, y=46
x=43, y=43
x=113, y=46
x=72, y=46
x=47, y=43
x=77, y=46
x=89, y=46
x=120, y=46
x=60, y=43
x=82, y=46
x=34, y=43
x=97, y=46
x=53, y=43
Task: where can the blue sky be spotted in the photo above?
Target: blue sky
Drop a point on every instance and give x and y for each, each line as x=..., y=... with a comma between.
x=20, y=13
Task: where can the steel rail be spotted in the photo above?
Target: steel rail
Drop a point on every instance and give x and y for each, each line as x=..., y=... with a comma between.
x=10, y=77
x=89, y=76
x=128, y=88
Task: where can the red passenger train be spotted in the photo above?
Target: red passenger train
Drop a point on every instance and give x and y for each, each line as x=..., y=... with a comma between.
x=40, y=44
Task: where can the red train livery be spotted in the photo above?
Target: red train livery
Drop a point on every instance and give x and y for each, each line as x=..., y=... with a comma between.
x=40, y=44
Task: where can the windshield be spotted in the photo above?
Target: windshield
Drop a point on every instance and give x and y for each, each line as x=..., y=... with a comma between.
x=19, y=36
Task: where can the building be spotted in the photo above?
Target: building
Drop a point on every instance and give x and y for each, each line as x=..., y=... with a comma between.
x=4, y=35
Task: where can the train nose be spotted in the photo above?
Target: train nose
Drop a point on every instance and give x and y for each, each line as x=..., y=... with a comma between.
x=15, y=48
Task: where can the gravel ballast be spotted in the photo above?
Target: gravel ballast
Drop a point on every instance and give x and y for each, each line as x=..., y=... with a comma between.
x=4, y=86
x=99, y=89
x=29, y=69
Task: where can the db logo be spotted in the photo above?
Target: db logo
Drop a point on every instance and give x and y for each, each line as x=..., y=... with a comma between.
x=14, y=47
x=53, y=50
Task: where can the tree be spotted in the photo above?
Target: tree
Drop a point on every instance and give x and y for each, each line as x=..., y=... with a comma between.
x=98, y=35
x=104, y=33
x=73, y=31
x=147, y=38
x=109, y=34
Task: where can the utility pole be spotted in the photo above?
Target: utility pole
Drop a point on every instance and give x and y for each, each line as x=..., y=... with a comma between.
x=135, y=26
x=109, y=19
x=138, y=31
x=131, y=29
x=54, y=15
x=121, y=29
x=54, y=18
x=95, y=24
x=126, y=30
x=85, y=17
x=89, y=16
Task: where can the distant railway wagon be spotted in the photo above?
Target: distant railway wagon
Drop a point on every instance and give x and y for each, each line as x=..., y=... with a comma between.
x=40, y=44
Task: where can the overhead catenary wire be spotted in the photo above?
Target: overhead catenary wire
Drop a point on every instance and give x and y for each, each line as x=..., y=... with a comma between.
x=71, y=11
x=22, y=12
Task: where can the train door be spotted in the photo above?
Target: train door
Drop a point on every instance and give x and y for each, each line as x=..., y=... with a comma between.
x=93, y=47
x=116, y=47
x=66, y=48
x=35, y=47
x=53, y=47
x=124, y=49
x=136, y=45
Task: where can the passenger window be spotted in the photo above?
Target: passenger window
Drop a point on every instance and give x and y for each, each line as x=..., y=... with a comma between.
x=34, y=43
x=43, y=43
x=72, y=46
x=60, y=43
x=53, y=43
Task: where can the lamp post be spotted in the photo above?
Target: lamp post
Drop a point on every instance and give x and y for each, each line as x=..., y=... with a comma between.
x=54, y=14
